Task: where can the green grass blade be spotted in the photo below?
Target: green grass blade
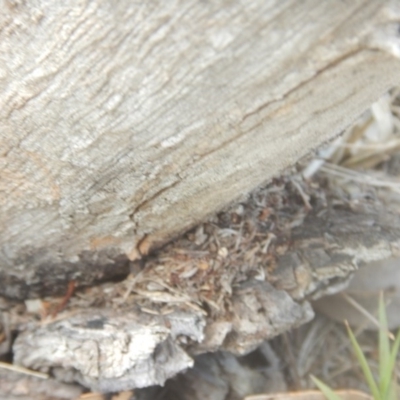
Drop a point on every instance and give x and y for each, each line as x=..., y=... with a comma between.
x=385, y=371
x=395, y=390
x=364, y=365
x=326, y=390
x=392, y=393
x=390, y=380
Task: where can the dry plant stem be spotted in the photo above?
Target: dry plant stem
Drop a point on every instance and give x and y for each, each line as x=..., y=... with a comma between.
x=22, y=370
x=369, y=178
x=367, y=314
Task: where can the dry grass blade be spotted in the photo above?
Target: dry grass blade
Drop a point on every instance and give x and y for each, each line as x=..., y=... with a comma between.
x=364, y=178
x=22, y=370
x=367, y=314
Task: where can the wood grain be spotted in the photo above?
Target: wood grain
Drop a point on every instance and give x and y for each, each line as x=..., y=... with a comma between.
x=124, y=124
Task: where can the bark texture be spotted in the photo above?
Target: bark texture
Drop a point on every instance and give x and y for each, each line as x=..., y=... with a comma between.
x=243, y=277
x=123, y=124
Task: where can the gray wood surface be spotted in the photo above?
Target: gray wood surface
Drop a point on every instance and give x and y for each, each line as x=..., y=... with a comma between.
x=241, y=278
x=123, y=124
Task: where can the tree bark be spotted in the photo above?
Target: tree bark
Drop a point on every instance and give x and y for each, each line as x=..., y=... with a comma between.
x=125, y=124
x=239, y=279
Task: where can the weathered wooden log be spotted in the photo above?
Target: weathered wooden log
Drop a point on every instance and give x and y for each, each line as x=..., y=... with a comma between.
x=241, y=278
x=123, y=125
